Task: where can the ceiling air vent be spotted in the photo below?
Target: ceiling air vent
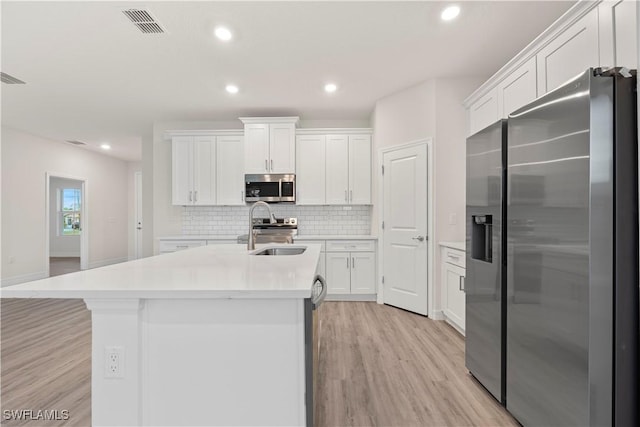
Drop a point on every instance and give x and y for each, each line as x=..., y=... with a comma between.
x=10, y=80
x=144, y=21
x=75, y=142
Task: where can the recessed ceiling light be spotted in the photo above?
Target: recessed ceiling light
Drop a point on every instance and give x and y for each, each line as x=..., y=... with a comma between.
x=223, y=33
x=330, y=87
x=105, y=146
x=449, y=13
x=232, y=89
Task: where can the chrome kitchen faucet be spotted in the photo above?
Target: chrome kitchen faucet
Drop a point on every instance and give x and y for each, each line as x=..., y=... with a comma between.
x=251, y=242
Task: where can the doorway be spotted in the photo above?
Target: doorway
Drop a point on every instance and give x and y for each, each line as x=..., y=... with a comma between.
x=66, y=224
x=406, y=226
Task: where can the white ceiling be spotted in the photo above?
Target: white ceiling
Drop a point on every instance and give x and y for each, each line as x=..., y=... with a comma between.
x=92, y=76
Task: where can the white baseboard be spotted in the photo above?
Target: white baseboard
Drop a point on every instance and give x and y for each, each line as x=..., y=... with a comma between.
x=23, y=278
x=64, y=254
x=437, y=315
x=351, y=297
x=105, y=262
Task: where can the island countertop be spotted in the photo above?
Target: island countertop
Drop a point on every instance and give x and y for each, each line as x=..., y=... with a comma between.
x=212, y=271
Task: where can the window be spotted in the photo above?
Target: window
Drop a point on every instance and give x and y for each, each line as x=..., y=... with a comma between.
x=70, y=199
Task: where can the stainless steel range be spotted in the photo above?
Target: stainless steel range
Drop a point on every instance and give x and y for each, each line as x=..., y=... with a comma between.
x=282, y=231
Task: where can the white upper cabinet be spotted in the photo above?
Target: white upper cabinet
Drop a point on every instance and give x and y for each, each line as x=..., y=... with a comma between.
x=618, y=33
x=483, y=112
x=182, y=170
x=337, y=170
x=230, y=170
x=518, y=88
x=569, y=54
x=269, y=144
x=193, y=170
x=207, y=170
x=310, y=170
x=360, y=169
x=256, y=158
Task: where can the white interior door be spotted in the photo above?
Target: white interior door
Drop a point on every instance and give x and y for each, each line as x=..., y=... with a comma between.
x=405, y=228
x=138, y=215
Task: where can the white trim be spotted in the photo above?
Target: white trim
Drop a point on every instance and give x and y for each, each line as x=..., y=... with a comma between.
x=431, y=242
x=84, y=215
x=105, y=262
x=203, y=132
x=334, y=131
x=437, y=315
x=15, y=280
x=570, y=17
x=268, y=120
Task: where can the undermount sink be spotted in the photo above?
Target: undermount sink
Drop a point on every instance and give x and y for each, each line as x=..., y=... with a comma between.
x=281, y=251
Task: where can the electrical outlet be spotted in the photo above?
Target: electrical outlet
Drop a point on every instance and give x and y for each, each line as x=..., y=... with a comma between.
x=114, y=362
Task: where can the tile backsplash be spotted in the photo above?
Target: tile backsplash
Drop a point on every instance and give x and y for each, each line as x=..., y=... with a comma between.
x=312, y=220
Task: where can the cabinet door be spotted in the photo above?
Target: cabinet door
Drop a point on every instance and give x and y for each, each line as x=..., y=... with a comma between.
x=363, y=273
x=230, y=170
x=483, y=112
x=360, y=169
x=455, y=300
x=204, y=170
x=310, y=170
x=517, y=89
x=569, y=54
x=256, y=148
x=618, y=33
x=282, y=152
x=181, y=170
x=338, y=272
x=337, y=170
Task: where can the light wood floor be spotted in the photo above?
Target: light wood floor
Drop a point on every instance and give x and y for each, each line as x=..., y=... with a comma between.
x=59, y=265
x=379, y=366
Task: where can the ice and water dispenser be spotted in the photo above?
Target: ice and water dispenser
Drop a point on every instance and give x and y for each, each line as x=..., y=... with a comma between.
x=482, y=237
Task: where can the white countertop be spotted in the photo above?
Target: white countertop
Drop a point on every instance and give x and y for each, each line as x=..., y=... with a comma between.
x=335, y=237
x=455, y=245
x=297, y=237
x=212, y=271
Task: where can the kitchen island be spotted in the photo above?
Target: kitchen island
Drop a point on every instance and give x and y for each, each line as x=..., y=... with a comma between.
x=208, y=336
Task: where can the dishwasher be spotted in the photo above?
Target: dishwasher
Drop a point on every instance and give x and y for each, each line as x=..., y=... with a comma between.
x=312, y=328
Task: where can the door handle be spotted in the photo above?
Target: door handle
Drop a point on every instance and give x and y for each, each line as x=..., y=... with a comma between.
x=461, y=283
x=419, y=238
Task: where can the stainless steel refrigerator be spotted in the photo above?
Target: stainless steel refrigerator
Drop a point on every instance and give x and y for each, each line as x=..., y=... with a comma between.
x=569, y=311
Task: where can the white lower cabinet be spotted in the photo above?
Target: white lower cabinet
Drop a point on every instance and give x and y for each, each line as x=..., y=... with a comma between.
x=168, y=246
x=453, y=294
x=351, y=267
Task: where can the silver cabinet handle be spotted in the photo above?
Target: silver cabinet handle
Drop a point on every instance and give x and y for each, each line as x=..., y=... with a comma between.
x=461, y=283
x=351, y=196
x=347, y=263
x=345, y=196
x=195, y=196
x=353, y=262
x=266, y=165
x=419, y=238
x=191, y=196
x=271, y=165
x=241, y=196
x=182, y=247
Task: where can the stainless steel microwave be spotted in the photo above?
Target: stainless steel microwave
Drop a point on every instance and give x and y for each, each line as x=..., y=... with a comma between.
x=270, y=188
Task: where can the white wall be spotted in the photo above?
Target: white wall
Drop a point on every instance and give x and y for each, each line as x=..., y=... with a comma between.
x=25, y=161
x=431, y=109
x=59, y=244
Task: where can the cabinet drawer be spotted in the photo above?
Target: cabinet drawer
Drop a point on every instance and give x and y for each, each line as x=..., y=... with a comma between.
x=351, y=245
x=311, y=242
x=454, y=256
x=179, y=245
x=222, y=242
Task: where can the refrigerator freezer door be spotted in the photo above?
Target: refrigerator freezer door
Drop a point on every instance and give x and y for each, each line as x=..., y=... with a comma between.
x=484, y=257
x=551, y=165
